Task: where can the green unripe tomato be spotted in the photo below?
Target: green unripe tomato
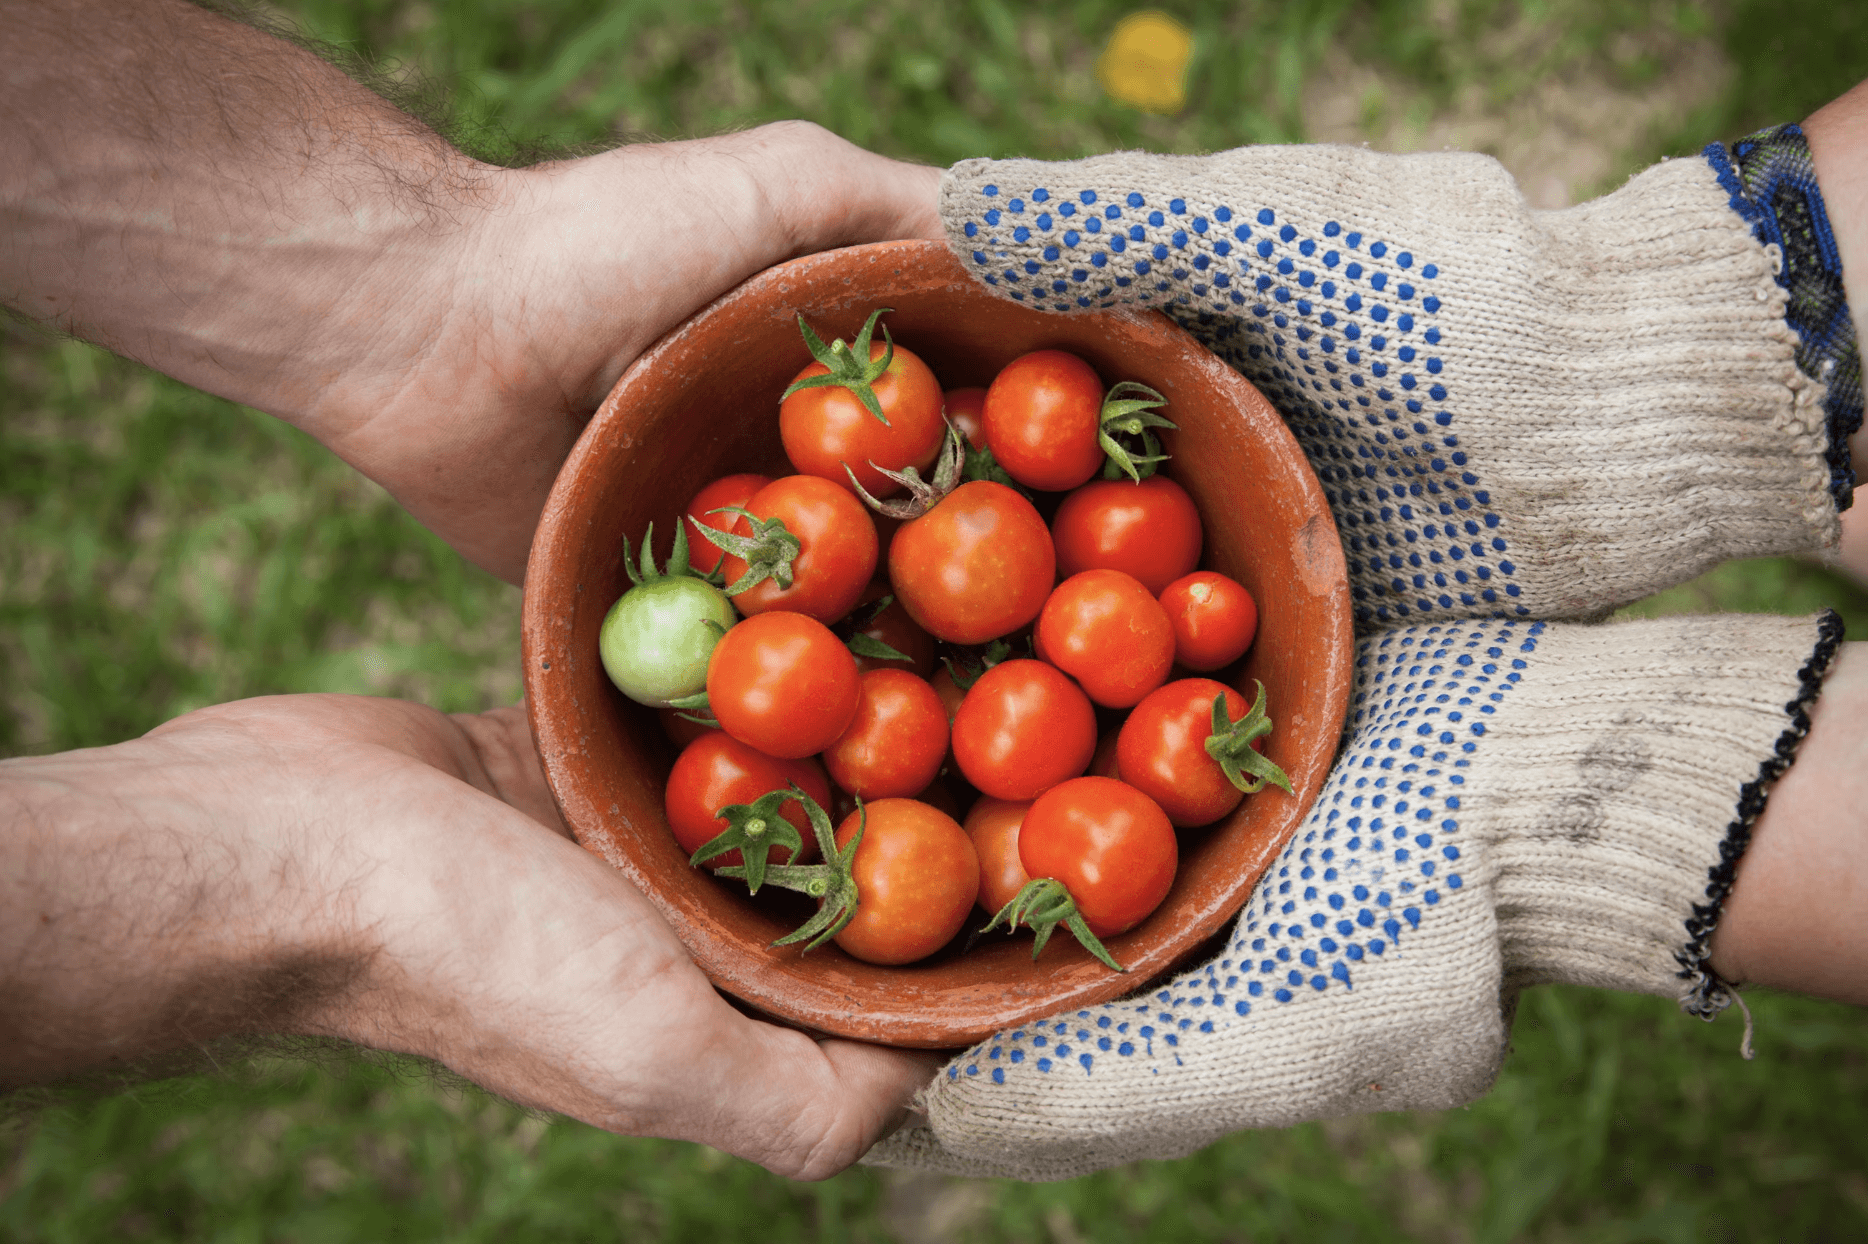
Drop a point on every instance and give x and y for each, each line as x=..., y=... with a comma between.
x=655, y=640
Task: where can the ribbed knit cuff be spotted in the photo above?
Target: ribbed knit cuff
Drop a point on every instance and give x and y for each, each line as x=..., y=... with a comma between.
x=1624, y=795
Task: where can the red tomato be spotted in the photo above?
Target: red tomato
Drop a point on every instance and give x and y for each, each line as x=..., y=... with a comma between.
x=1150, y=530
x=727, y=490
x=1162, y=751
x=717, y=770
x=966, y=410
x=1214, y=618
x=1103, y=763
x=783, y=683
x=836, y=555
x=826, y=427
x=1106, y=630
x=976, y=566
x=1042, y=416
x=893, y=627
x=896, y=742
x=916, y=878
x=993, y=827
x=1023, y=728
x=1110, y=846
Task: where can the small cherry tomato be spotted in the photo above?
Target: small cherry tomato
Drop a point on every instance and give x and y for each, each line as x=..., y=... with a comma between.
x=916, y=878
x=892, y=626
x=783, y=683
x=1023, y=728
x=717, y=770
x=1150, y=530
x=966, y=410
x=1043, y=413
x=657, y=639
x=1162, y=751
x=836, y=555
x=1106, y=630
x=824, y=428
x=993, y=827
x=896, y=742
x=1110, y=845
x=1214, y=618
x=976, y=566
x=729, y=490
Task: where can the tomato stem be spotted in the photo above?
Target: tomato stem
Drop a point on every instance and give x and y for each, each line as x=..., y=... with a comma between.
x=923, y=494
x=1042, y=904
x=753, y=829
x=678, y=563
x=1131, y=418
x=768, y=552
x=1230, y=744
x=850, y=366
x=832, y=883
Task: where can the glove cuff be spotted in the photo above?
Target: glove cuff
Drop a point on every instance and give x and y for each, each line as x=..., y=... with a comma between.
x=1621, y=800
x=1772, y=183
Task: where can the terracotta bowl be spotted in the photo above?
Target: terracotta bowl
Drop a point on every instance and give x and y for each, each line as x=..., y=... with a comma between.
x=703, y=403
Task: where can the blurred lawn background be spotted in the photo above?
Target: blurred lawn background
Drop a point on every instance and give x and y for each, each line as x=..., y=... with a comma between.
x=164, y=550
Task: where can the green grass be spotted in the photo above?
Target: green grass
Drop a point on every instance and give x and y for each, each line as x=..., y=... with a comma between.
x=164, y=550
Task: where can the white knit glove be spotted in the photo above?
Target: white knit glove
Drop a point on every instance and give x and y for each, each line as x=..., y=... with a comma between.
x=1514, y=413
x=1520, y=802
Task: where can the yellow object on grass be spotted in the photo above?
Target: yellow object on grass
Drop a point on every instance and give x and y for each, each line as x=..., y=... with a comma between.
x=1145, y=64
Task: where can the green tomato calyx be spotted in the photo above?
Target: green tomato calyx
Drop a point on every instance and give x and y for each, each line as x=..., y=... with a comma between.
x=678, y=564
x=832, y=883
x=768, y=552
x=1127, y=431
x=1042, y=904
x=753, y=829
x=1230, y=745
x=850, y=365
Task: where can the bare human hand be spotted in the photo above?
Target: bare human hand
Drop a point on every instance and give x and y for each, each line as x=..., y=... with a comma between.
x=376, y=871
x=231, y=210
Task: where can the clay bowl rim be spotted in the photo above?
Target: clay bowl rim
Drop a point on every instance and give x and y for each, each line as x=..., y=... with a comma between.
x=571, y=704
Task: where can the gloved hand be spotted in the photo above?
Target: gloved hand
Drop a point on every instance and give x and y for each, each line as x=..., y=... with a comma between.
x=1516, y=415
x=1519, y=803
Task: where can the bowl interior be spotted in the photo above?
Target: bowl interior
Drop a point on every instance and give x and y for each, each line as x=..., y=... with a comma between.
x=703, y=403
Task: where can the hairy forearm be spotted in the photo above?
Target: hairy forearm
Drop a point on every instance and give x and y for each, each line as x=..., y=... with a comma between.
x=136, y=921
x=216, y=202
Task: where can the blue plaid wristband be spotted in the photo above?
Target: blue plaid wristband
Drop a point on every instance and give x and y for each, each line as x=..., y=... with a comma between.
x=1772, y=184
